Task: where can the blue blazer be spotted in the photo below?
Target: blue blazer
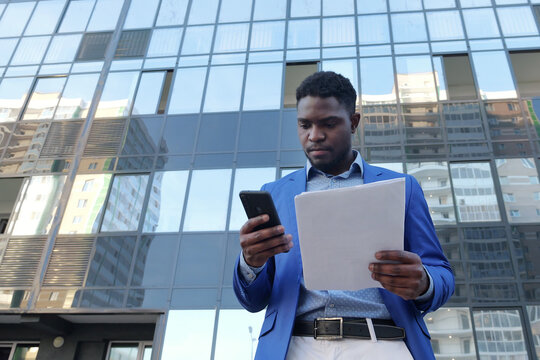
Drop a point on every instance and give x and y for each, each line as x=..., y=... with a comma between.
x=277, y=285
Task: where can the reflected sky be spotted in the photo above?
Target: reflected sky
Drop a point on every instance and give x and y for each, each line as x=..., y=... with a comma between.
x=493, y=75
x=172, y=12
x=338, y=31
x=44, y=98
x=30, y=50
x=445, y=25
x=268, y=10
x=77, y=15
x=165, y=42
x=63, y=48
x=15, y=17
x=269, y=35
x=263, y=87
x=13, y=92
x=77, y=96
x=377, y=80
x=105, y=15
x=203, y=12
x=187, y=99
x=303, y=34
x=141, y=14
x=237, y=334
x=117, y=94
x=224, y=88
x=373, y=29
x=148, y=93
x=235, y=10
x=45, y=17
x=231, y=38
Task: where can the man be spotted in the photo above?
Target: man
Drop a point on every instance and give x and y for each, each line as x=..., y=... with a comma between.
x=377, y=323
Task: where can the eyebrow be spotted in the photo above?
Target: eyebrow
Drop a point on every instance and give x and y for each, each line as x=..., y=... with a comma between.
x=321, y=120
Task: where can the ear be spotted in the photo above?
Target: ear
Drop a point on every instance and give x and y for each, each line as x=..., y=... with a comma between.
x=355, y=120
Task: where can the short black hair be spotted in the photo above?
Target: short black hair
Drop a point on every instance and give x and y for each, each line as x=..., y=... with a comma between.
x=326, y=84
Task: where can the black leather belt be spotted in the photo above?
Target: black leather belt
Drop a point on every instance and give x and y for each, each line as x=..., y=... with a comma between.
x=355, y=328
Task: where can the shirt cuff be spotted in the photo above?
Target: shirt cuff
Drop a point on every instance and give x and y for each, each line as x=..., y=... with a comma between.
x=248, y=273
x=429, y=292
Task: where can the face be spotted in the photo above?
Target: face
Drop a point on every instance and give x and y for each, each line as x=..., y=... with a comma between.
x=324, y=130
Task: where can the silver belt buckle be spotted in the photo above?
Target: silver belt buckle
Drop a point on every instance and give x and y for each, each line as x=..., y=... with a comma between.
x=328, y=337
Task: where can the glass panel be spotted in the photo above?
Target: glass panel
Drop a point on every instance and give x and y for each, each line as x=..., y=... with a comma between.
x=474, y=192
x=123, y=352
x=203, y=12
x=405, y=5
x=231, y=38
x=197, y=40
x=304, y=8
x=247, y=179
x=172, y=12
x=370, y=6
x=125, y=203
x=421, y=124
x=187, y=92
x=525, y=240
x=149, y=93
x=408, y=27
x=338, y=7
x=165, y=42
x=303, y=34
x=268, y=10
x=63, y=49
x=77, y=97
x=439, y=4
x=268, y=35
x=155, y=260
x=499, y=334
x=474, y=3
x=105, y=15
x=445, y=25
x=15, y=17
x=294, y=75
x=45, y=17
x=217, y=133
x=147, y=355
x=480, y=23
x=338, y=31
x=534, y=318
x=455, y=82
x=237, y=333
x=76, y=16
x=444, y=325
x=111, y=262
x=84, y=220
x=36, y=208
x=373, y=29
x=520, y=188
x=12, y=95
x=517, y=21
x=166, y=201
x=208, y=200
x=224, y=88
x=117, y=94
x=235, y=10
x=30, y=50
x=377, y=76
x=380, y=125
x=415, y=79
x=527, y=72
x=7, y=46
x=141, y=14
x=263, y=87
x=493, y=75
x=463, y=122
x=347, y=68
x=200, y=263
x=505, y=121
x=189, y=334
x=26, y=352
x=44, y=99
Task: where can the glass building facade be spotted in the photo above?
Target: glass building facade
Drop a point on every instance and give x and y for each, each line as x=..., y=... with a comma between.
x=128, y=127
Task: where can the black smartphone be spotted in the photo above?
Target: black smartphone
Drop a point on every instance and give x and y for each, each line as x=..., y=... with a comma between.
x=257, y=203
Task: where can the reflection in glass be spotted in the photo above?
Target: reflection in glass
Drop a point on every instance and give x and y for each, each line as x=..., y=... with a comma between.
x=405, y=5
x=63, y=48
x=338, y=7
x=154, y=261
x=474, y=192
x=27, y=141
x=165, y=42
x=25, y=352
x=517, y=21
x=268, y=35
x=141, y=14
x=533, y=312
x=208, y=200
x=45, y=17
x=30, y=50
x=445, y=25
x=188, y=334
x=463, y=122
x=434, y=179
x=203, y=12
x=532, y=111
x=200, y=263
x=422, y=123
x=380, y=125
x=439, y=4
x=111, y=261
x=148, y=93
x=197, y=40
x=294, y=74
x=224, y=88
x=7, y=46
x=77, y=97
x=76, y=16
x=474, y=3
x=172, y=12
x=408, y=27
x=520, y=188
x=105, y=15
x=15, y=17
x=268, y=10
x=347, y=68
x=525, y=240
x=505, y=121
x=238, y=331
x=37, y=205
x=499, y=334
x=247, y=179
x=451, y=333
x=117, y=94
x=377, y=76
x=231, y=38
x=415, y=79
x=526, y=71
x=370, y=6
x=166, y=202
x=373, y=29
x=187, y=92
x=123, y=352
x=235, y=10
x=304, y=8
x=84, y=219
x=44, y=98
x=454, y=77
x=493, y=75
x=480, y=23
x=142, y=138
x=303, y=34
x=338, y=31
x=263, y=87
x=124, y=205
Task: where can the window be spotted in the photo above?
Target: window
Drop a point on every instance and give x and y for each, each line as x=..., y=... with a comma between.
x=132, y=44
x=187, y=99
x=45, y=17
x=13, y=93
x=8, y=196
x=44, y=98
x=527, y=72
x=88, y=185
x=153, y=92
x=189, y=334
x=454, y=77
x=172, y=12
x=263, y=86
x=76, y=16
x=224, y=88
x=93, y=46
x=507, y=197
x=77, y=96
x=129, y=350
x=82, y=203
x=295, y=73
x=491, y=65
x=141, y=14
x=76, y=220
x=117, y=95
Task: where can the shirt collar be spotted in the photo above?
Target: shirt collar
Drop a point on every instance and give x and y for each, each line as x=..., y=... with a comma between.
x=356, y=166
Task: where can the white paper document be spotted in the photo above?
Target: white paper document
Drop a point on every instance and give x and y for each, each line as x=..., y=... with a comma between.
x=340, y=230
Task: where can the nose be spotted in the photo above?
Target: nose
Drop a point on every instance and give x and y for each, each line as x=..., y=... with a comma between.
x=316, y=134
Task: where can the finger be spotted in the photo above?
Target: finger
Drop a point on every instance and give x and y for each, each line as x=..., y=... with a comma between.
x=404, y=270
x=261, y=235
x=394, y=281
x=406, y=294
x=404, y=257
x=253, y=223
x=283, y=241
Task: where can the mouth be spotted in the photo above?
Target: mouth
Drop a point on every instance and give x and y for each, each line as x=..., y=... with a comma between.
x=318, y=151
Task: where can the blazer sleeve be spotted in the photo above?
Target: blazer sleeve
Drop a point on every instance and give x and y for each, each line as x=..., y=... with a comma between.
x=421, y=238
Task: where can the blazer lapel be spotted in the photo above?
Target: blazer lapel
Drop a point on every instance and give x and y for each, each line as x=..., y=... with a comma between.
x=371, y=174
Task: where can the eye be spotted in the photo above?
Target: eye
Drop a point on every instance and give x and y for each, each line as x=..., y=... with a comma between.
x=303, y=125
